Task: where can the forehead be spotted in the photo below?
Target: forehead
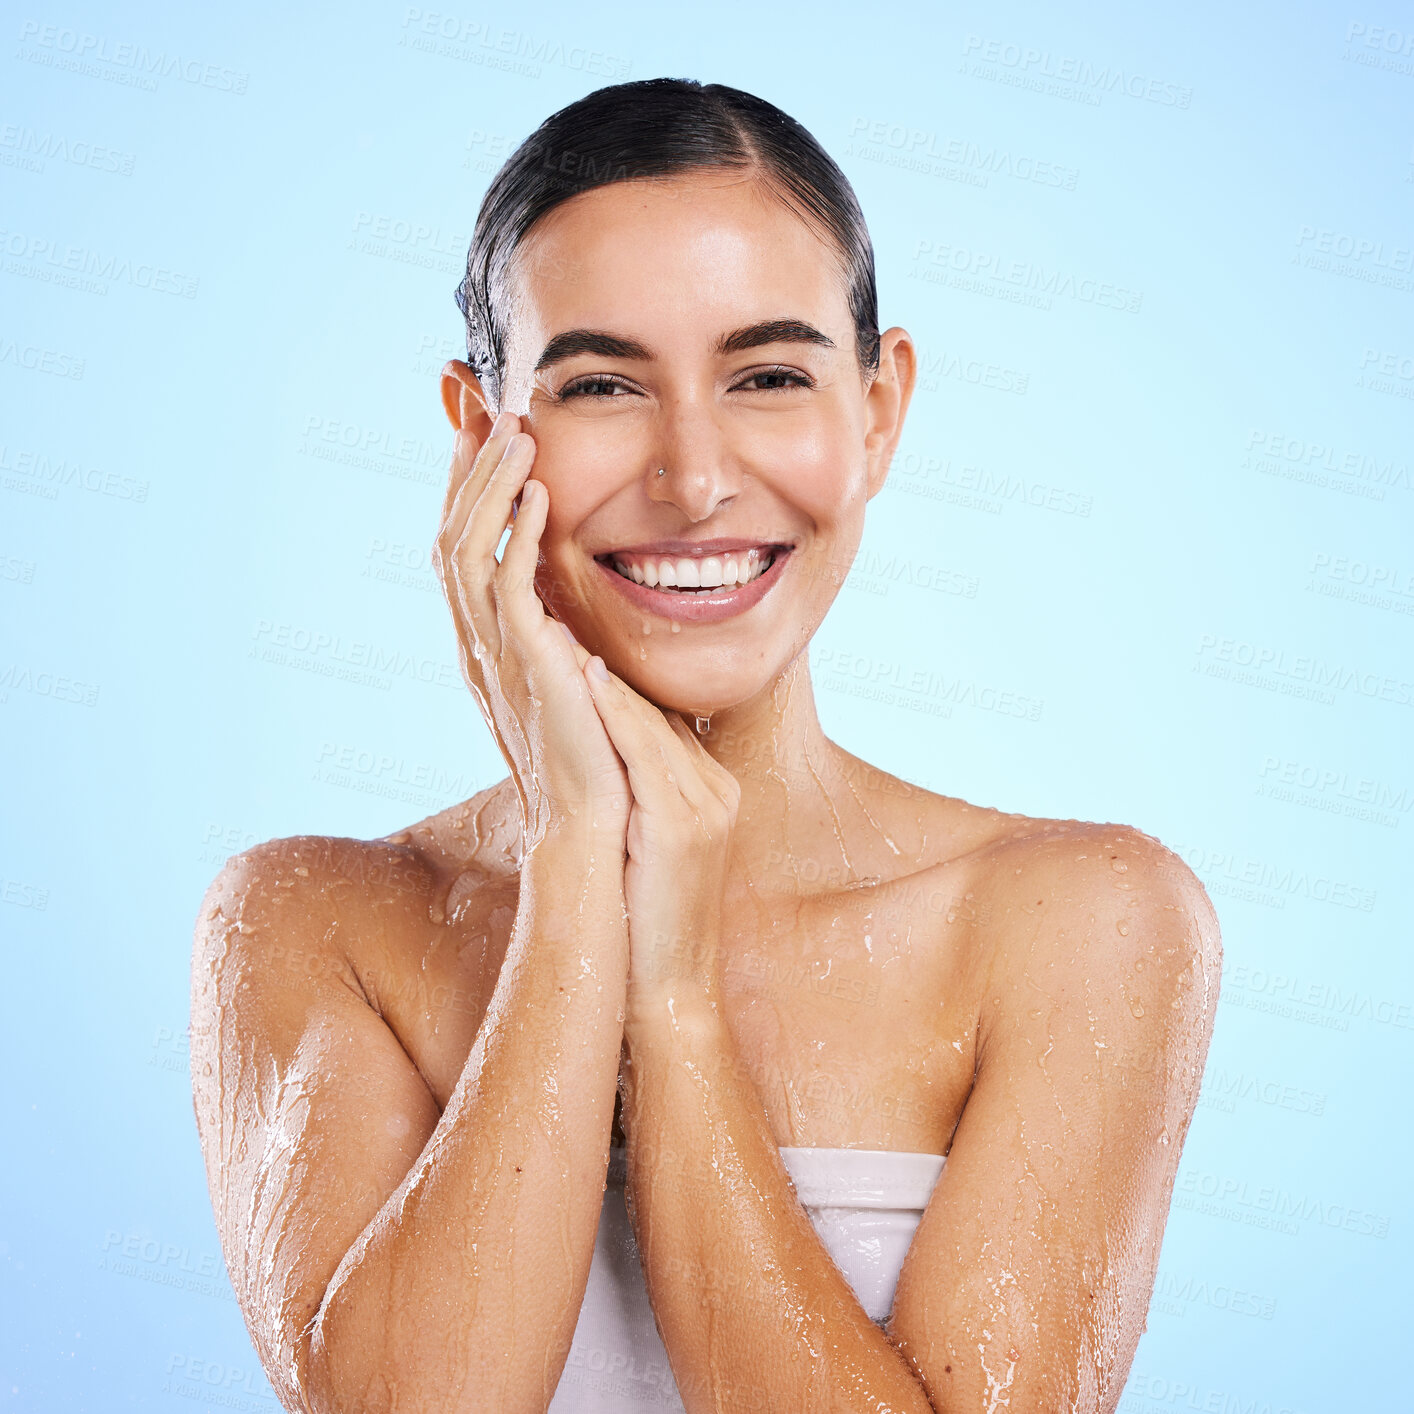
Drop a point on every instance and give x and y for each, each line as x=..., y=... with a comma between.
x=674, y=261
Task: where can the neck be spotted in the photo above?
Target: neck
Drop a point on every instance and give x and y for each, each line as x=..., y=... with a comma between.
x=796, y=791
x=766, y=737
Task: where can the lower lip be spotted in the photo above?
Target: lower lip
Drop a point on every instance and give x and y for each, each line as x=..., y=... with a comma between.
x=698, y=608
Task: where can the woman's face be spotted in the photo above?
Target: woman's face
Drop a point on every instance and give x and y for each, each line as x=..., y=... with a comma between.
x=640, y=317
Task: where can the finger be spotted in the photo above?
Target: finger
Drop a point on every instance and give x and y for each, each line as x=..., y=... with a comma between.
x=475, y=460
x=474, y=553
x=715, y=775
x=519, y=606
x=470, y=467
x=461, y=496
x=680, y=727
x=492, y=512
x=659, y=766
x=463, y=454
x=515, y=576
x=466, y=573
x=581, y=653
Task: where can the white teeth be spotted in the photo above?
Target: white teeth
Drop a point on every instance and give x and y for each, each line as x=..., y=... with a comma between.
x=711, y=572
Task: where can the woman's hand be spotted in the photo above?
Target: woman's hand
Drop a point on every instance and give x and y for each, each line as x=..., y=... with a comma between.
x=678, y=844
x=523, y=667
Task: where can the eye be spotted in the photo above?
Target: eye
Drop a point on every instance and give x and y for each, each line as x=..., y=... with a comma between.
x=582, y=387
x=796, y=380
x=594, y=385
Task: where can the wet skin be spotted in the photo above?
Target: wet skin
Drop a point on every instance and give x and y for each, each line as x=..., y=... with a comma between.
x=854, y=994
x=879, y=966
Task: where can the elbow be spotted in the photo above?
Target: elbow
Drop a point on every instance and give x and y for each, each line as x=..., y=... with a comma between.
x=321, y=1376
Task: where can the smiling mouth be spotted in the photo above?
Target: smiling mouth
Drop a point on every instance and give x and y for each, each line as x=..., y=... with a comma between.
x=696, y=576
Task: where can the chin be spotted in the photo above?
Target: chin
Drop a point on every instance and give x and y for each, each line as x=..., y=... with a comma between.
x=693, y=688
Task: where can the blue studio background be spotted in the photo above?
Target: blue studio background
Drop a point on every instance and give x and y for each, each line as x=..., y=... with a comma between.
x=1145, y=556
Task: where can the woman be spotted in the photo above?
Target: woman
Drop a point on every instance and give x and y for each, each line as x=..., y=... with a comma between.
x=844, y=1017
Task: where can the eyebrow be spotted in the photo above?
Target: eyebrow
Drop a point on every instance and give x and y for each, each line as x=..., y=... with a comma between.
x=750, y=336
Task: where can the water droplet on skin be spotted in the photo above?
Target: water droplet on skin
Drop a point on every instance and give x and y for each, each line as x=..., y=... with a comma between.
x=676, y=627
x=1118, y=865
x=301, y=871
x=642, y=653
x=1122, y=928
x=1164, y=1135
x=1136, y=1007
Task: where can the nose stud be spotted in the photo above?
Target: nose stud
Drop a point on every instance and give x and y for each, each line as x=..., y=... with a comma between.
x=662, y=471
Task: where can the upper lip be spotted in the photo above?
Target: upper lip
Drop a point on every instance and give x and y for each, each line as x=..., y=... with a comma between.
x=721, y=546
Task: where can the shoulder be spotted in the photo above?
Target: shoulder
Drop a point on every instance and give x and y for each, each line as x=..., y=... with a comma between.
x=295, y=913
x=1100, y=918
x=314, y=877
x=481, y=834
x=364, y=909
x=1081, y=867
x=323, y=873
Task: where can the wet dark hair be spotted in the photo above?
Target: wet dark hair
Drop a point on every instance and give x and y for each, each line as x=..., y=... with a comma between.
x=657, y=128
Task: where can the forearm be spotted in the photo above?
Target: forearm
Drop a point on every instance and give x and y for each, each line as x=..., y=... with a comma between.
x=754, y=1313
x=464, y=1291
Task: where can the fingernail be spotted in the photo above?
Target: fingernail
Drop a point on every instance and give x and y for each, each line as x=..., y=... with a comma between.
x=503, y=423
x=596, y=666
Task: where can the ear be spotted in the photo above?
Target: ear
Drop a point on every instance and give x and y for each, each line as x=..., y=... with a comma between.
x=465, y=402
x=886, y=403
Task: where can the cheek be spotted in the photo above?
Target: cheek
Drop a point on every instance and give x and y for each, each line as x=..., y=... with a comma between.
x=578, y=472
x=822, y=472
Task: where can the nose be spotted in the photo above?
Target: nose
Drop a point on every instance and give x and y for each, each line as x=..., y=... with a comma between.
x=700, y=469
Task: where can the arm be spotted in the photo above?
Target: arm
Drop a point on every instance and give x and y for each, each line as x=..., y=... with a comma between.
x=752, y=1309
x=1029, y=1278
x=386, y=1257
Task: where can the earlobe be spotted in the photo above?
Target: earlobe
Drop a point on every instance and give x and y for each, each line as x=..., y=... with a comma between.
x=889, y=396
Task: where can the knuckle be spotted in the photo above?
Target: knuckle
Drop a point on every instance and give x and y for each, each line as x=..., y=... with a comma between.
x=467, y=568
x=510, y=578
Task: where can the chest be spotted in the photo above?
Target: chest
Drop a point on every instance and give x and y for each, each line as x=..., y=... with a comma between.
x=854, y=1012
